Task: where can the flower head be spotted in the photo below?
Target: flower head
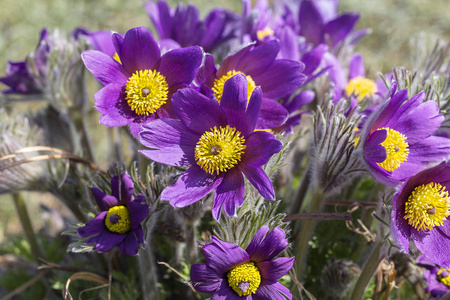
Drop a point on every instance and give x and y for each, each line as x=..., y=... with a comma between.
x=140, y=87
x=421, y=212
x=231, y=272
x=398, y=139
x=119, y=222
x=217, y=142
x=277, y=78
x=438, y=278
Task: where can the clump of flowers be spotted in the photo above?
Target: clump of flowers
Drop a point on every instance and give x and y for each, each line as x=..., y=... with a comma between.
x=438, y=278
x=119, y=222
x=231, y=272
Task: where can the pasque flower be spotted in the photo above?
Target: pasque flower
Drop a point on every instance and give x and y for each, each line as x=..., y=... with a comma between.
x=277, y=78
x=421, y=211
x=397, y=139
x=139, y=88
x=119, y=222
x=217, y=142
x=231, y=272
x=438, y=278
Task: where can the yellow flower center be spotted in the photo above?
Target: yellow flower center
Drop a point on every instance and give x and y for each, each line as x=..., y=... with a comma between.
x=362, y=87
x=116, y=57
x=118, y=219
x=219, y=83
x=444, y=276
x=261, y=34
x=427, y=206
x=146, y=91
x=244, y=279
x=396, y=149
x=219, y=150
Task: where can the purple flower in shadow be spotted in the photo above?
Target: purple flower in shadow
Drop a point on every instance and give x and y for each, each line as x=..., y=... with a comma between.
x=231, y=272
x=438, y=278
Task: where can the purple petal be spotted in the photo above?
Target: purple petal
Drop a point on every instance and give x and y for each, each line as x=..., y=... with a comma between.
x=261, y=146
x=272, y=290
x=117, y=40
x=273, y=270
x=204, y=279
x=259, y=58
x=192, y=185
x=339, y=28
x=136, y=124
x=302, y=99
x=207, y=73
x=129, y=246
x=224, y=292
x=126, y=187
x=311, y=22
x=271, y=115
x=94, y=226
x=104, y=67
x=223, y=256
x=115, y=186
x=107, y=240
x=181, y=65
x=139, y=50
x=138, y=212
x=159, y=14
x=230, y=63
x=433, y=148
x=110, y=102
x=259, y=179
x=374, y=152
x=265, y=247
x=253, y=110
x=229, y=194
x=104, y=202
x=312, y=58
x=174, y=144
x=400, y=229
x=356, y=66
x=434, y=244
x=139, y=234
x=282, y=78
x=289, y=47
x=197, y=112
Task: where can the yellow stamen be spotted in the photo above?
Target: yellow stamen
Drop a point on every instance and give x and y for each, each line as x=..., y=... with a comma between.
x=244, y=279
x=146, y=91
x=261, y=34
x=428, y=206
x=362, y=87
x=444, y=276
x=220, y=82
x=116, y=57
x=118, y=219
x=396, y=149
x=219, y=150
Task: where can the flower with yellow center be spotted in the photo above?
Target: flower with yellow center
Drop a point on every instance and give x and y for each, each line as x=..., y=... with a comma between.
x=428, y=206
x=396, y=150
x=362, y=87
x=261, y=34
x=118, y=219
x=146, y=91
x=443, y=275
x=220, y=82
x=220, y=149
x=244, y=279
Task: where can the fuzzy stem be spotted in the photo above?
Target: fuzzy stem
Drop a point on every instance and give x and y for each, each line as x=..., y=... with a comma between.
x=24, y=217
x=367, y=273
x=80, y=125
x=306, y=232
x=147, y=268
x=302, y=190
x=191, y=245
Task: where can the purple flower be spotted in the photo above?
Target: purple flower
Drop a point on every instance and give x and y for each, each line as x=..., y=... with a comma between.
x=397, y=139
x=20, y=77
x=231, y=272
x=183, y=25
x=277, y=78
x=217, y=142
x=100, y=40
x=438, y=278
x=421, y=208
x=140, y=88
x=293, y=105
x=119, y=223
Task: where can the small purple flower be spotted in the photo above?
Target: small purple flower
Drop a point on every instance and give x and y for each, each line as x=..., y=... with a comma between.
x=218, y=142
x=231, y=272
x=397, y=139
x=20, y=77
x=140, y=88
x=420, y=212
x=438, y=278
x=119, y=222
x=277, y=78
